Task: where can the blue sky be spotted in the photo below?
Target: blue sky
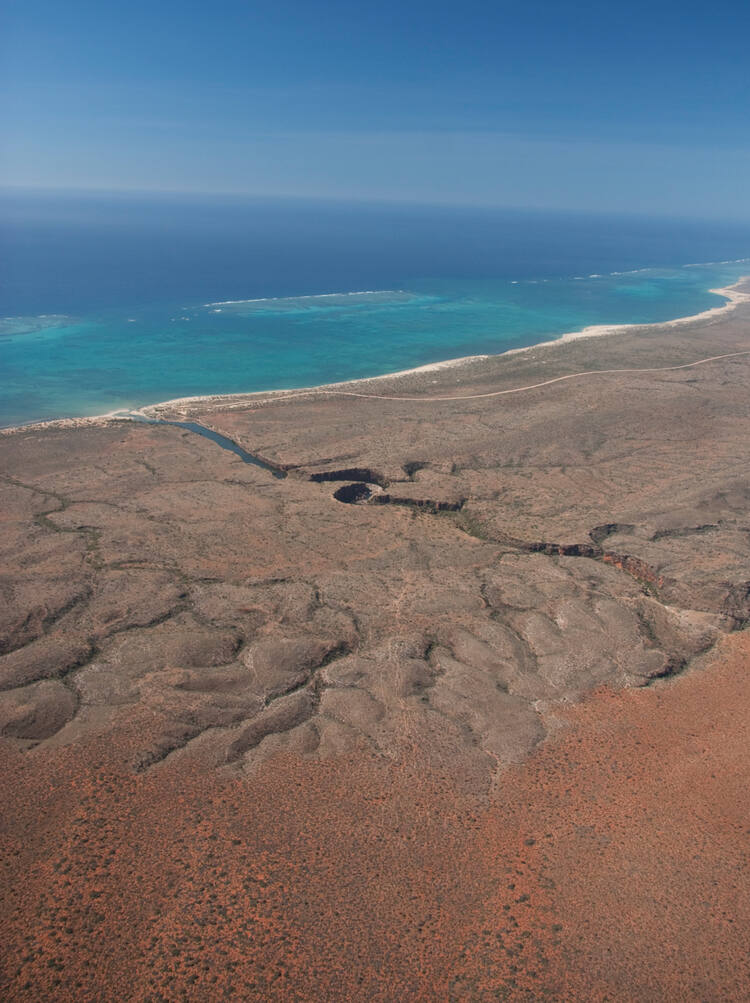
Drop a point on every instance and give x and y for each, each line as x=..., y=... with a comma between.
x=600, y=106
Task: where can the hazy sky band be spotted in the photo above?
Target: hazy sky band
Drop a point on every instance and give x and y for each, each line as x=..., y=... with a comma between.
x=638, y=107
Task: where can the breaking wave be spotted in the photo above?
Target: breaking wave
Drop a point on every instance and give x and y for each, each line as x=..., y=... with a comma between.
x=10, y=326
x=318, y=301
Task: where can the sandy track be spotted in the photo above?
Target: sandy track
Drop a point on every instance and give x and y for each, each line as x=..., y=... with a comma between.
x=516, y=390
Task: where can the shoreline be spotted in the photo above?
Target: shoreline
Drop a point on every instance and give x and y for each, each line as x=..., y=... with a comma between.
x=539, y=600
x=732, y=294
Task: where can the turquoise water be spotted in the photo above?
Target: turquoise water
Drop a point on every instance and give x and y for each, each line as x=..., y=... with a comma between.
x=57, y=366
x=114, y=302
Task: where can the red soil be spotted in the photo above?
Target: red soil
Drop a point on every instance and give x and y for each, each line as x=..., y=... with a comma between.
x=611, y=865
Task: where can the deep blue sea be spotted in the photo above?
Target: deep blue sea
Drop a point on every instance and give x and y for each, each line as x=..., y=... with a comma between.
x=111, y=302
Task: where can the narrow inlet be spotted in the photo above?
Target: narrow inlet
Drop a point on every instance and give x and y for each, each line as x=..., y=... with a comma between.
x=208, y=433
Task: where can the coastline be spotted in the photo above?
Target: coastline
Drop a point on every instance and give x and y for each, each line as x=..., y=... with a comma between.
x=434, y=682
x=733, y=295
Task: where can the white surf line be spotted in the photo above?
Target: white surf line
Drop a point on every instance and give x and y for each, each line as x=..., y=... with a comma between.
x=514, y=390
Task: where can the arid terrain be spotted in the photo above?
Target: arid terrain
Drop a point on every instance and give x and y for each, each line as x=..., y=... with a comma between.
x=457, y=707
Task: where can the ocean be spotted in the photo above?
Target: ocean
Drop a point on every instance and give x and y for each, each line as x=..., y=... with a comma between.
x=110, y=302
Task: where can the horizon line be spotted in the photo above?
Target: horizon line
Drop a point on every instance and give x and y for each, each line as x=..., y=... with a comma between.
x=195, y=193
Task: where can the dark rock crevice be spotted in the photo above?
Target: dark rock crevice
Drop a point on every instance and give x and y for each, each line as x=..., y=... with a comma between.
x=600, y=533
x=353, y=494
x=363, y=474
x=643, y=572
x=361, y=493
x=647, y=575
x=422, y=504
x=662, y=534
x=413, y=467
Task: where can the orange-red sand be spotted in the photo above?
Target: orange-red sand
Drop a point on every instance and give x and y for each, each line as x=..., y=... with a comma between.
x=611, y=865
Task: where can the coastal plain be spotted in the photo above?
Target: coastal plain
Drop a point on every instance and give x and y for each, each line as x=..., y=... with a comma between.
x=455, y=708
